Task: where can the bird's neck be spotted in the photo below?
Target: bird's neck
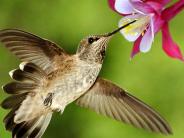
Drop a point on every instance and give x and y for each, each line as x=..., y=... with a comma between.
x=90, y=57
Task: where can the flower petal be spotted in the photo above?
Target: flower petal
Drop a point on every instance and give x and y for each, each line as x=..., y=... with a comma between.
x=169, y=46
x=147, y=39
x=163, y=2
x=173, y=10
x=123, y=7
x=142, y=7
x=156, y=6
x=111, y=4
x=133, y=31
x=135, y=49
x=157, y=23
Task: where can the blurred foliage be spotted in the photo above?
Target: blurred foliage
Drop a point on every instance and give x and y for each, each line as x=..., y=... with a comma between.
x=153, y=77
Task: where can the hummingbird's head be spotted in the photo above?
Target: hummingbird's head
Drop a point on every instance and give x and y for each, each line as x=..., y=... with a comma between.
x=93, y=48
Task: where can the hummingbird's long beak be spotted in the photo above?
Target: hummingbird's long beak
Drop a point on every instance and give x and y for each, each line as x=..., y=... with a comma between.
x=117, y=30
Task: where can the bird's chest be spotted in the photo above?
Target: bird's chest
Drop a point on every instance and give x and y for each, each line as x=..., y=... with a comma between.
x=72, y=85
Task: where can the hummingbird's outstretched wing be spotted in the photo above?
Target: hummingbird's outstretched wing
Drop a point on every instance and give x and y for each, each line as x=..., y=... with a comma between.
x=110, y=100
x=31, y=48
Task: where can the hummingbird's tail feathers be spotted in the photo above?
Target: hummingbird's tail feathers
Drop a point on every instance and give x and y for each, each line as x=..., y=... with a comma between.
x=13, y=101
x=33, y=128
x=29, y=117
x=26, y=78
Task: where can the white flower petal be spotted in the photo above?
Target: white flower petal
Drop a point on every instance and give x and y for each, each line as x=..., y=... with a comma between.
x=133, y=31
x=147, y=41
x=124, y=6
x=152, y=26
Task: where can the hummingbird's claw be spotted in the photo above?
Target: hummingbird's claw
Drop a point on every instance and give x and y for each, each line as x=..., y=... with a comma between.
x=48, y=99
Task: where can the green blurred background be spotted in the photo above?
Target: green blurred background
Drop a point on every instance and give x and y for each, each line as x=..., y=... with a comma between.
x=153, y=77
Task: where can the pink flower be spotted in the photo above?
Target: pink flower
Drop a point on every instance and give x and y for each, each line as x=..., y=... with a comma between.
x=151, y=16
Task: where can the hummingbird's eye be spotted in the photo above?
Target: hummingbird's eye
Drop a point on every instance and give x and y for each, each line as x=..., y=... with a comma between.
x=91, y=40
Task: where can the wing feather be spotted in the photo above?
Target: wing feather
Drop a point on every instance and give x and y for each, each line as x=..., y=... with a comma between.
x=31, y=48
x=110, y=100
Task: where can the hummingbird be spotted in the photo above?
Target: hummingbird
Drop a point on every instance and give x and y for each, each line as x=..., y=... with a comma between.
x=48, y=79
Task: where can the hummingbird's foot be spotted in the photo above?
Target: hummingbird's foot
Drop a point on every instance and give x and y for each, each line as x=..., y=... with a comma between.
x=48, y=99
